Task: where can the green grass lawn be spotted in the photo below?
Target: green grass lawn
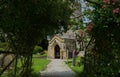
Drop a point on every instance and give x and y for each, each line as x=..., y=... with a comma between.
x=77, y=69
x=44, y=55
x=37, y=66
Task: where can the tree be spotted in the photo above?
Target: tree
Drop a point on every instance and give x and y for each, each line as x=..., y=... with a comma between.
x=25, y=22
x=103, y=60
x=44, y=44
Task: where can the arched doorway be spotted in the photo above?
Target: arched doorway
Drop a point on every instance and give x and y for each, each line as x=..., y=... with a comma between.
x=57, y=51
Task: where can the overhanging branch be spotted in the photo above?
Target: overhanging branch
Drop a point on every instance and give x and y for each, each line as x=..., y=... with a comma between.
x=9, y=52
x=93, y=2
x=1, y=72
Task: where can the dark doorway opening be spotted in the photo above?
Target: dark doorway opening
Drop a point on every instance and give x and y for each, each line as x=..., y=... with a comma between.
x=57, y=52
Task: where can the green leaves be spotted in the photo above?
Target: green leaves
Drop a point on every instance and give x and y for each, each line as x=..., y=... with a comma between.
x=40, y=17
x=25, y=22
x=106, y=34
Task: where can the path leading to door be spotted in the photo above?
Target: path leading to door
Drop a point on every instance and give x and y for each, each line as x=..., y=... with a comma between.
x=57, y=68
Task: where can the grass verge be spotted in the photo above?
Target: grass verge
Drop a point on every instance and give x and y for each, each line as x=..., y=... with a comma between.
x=78, y=69
x=38, y=65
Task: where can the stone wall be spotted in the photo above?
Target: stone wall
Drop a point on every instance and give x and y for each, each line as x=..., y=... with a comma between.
x=5, y=60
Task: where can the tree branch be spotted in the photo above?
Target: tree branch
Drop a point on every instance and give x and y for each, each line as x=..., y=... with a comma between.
x=8, y=65
x=93, y=2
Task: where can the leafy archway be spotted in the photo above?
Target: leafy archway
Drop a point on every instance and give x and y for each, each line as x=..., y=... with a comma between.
x=27, y=22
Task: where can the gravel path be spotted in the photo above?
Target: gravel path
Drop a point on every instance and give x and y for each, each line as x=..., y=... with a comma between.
x=57, y=68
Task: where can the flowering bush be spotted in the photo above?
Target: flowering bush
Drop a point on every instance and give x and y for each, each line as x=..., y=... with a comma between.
x=90, y=26
x=106, y=29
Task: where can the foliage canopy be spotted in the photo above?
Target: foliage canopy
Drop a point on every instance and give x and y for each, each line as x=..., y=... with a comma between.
x=25, y=22
x=103, y=60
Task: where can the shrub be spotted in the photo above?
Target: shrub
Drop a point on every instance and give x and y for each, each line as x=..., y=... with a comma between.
x=3, y=45
x=37, y=49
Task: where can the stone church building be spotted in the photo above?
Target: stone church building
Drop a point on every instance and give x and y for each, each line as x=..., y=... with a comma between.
x=61, y=46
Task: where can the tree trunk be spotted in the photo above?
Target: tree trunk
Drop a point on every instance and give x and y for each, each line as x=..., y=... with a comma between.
x=85, y=56
x=26, y=70
x=74, y=58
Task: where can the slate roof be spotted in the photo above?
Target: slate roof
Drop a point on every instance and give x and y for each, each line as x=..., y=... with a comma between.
x=68, y=35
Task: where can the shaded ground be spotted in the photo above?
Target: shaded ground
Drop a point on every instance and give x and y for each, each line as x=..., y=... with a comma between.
x=57, y=68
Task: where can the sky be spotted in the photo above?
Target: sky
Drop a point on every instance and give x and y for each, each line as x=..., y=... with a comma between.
x=83, y=7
